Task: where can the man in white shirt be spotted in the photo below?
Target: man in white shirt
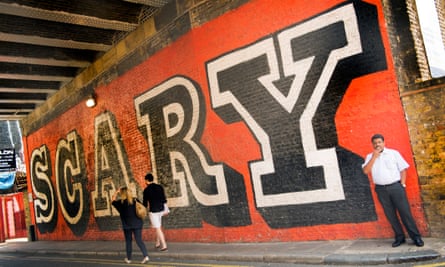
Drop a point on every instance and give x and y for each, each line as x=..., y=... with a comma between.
x=388, y=170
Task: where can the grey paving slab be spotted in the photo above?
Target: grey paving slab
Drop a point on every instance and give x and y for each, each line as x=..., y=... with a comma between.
x=346, y=252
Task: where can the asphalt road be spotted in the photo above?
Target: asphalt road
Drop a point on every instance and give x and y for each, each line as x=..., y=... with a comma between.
x=57, y=260
x=26, y=260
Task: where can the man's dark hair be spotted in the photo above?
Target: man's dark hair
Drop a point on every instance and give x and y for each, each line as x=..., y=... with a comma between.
x=377, y=136
x=149, y=177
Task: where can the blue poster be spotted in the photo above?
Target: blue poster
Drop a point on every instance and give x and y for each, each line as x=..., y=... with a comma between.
x=7, y=180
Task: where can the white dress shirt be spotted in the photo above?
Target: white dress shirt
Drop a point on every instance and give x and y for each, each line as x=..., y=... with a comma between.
x=387, y=167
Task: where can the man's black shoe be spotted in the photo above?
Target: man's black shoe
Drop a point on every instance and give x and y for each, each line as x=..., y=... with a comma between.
x=418, y=242
x=398, y=243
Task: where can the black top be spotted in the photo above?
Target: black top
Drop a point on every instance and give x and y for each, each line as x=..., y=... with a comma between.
x=155, y=196
x=128, y=215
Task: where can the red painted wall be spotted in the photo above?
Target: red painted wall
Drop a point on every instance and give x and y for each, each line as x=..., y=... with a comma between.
x=12, y=215
x=370, y=104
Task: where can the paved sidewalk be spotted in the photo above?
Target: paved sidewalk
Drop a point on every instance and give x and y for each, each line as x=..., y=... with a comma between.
x=347, y=252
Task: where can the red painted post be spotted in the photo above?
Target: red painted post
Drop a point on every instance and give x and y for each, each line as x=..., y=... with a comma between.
x=2, y=227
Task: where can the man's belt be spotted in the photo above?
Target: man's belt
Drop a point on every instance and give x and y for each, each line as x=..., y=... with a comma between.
x=386, y=185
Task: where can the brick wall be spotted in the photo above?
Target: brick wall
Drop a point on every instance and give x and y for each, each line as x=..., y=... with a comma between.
x=254, y=115
x=440, y=4
x=420, y=52
x=424, y=104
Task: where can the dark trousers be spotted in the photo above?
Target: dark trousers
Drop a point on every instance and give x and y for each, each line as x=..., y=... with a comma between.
x=129, y=241
x=393, y=200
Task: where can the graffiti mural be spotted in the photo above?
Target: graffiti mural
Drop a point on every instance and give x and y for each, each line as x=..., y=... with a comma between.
x=71, y=183
x=45, y=204
x=171, y=117
x=112, y=170
x=247, y=136
x=304, y=173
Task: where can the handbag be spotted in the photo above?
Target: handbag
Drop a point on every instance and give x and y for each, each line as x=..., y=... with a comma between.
x=141, y=210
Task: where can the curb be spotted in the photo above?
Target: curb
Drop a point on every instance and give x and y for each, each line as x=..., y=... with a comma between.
x=333, y=259
x=347, y=253
x=375, y=259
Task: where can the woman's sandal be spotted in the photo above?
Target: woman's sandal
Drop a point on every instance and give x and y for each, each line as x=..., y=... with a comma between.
x=163, y=249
